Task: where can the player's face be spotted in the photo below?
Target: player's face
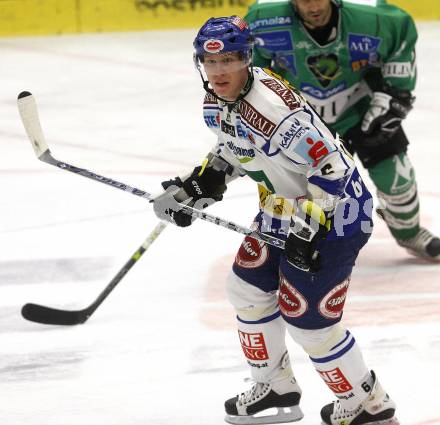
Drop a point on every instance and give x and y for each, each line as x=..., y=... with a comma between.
x=227, y=73
x=315, y=13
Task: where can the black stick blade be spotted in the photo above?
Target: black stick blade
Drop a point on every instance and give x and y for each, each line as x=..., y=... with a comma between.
x=53, y=316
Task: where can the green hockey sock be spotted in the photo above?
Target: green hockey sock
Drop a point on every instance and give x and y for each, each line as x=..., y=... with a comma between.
x=397, y=192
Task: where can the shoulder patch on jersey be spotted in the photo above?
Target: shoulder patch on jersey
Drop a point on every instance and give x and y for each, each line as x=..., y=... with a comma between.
x=285, y=93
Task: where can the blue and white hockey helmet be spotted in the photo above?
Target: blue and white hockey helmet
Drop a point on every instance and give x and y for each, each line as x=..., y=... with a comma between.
x=224, y=35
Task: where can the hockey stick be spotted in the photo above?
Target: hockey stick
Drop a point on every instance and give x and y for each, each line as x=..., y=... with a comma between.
x=29, y=115
x=53, y=316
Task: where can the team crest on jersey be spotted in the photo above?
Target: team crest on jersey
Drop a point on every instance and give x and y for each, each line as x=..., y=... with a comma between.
x=332, y=304
x=363, y=50
x=292, y=303
x=252, y=253
x=325, y=67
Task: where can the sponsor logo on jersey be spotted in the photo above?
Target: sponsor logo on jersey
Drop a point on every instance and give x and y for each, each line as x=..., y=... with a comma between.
x=243, y=133
x=313, y=148
x=212, y=118
x=246, y=154
x=337, y=102
x=279, y=46
x=292, y=303
x=209, y=99
x=287, y=96
x=363, y=50
x=332, y=304
x=253, y=345
x=294, y=133
x=252, y=253
x=399, y=69
x=325, y=67
x=228, y=128
x=213, y=46
x=319, y=93
x=255, y=119
x=336, y=380
x=271, y=22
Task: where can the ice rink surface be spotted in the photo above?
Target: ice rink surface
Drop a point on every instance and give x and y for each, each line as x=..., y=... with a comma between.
x=162, y=349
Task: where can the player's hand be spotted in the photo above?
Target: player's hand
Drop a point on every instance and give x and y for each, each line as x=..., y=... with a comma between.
x=385, y=114
x=306, y=228
x=205, y=183
x=167, y=208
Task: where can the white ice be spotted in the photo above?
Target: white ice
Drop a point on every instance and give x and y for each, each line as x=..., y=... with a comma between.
x=163, y=349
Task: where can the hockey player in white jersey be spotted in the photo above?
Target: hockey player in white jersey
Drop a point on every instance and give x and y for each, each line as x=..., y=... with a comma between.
x=312, y=196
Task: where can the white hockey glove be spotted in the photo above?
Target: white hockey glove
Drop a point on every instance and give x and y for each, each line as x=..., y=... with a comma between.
x=385, y=114
x=307, y=226
x=166, y=207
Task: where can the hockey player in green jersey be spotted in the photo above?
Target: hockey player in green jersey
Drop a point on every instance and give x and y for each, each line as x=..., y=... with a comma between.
x=356, y=65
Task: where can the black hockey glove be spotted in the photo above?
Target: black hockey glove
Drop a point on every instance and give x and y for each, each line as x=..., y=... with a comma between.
x=306, y=227
x=387, y=110
x=202, y=188
x=205, y=183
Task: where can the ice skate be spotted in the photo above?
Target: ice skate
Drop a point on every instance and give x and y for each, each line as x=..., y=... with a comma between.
x=424, y=245
x=377, y=409
x=266, y=403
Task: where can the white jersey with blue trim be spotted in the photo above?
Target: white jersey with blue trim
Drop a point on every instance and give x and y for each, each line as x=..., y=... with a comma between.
x=275, y=137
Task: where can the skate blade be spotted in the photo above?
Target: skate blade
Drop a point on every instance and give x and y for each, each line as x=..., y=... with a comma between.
x=391, y=421
x=284, y=414
x=425, y=257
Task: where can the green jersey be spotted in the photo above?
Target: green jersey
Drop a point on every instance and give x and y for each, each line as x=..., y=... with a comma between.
x=374, y=45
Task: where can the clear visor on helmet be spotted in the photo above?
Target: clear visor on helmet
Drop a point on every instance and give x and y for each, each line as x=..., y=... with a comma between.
x=222, y=63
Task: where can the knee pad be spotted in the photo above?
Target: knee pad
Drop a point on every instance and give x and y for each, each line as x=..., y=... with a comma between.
x=250, y=302
x=317, y=342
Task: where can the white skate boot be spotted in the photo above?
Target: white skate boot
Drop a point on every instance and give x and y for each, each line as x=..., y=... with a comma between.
x=377, y=409
x=424, y=245
x=251, y=407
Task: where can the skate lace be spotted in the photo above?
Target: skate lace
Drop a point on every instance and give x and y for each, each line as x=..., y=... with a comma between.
x=340, y=413
x=258, y=390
